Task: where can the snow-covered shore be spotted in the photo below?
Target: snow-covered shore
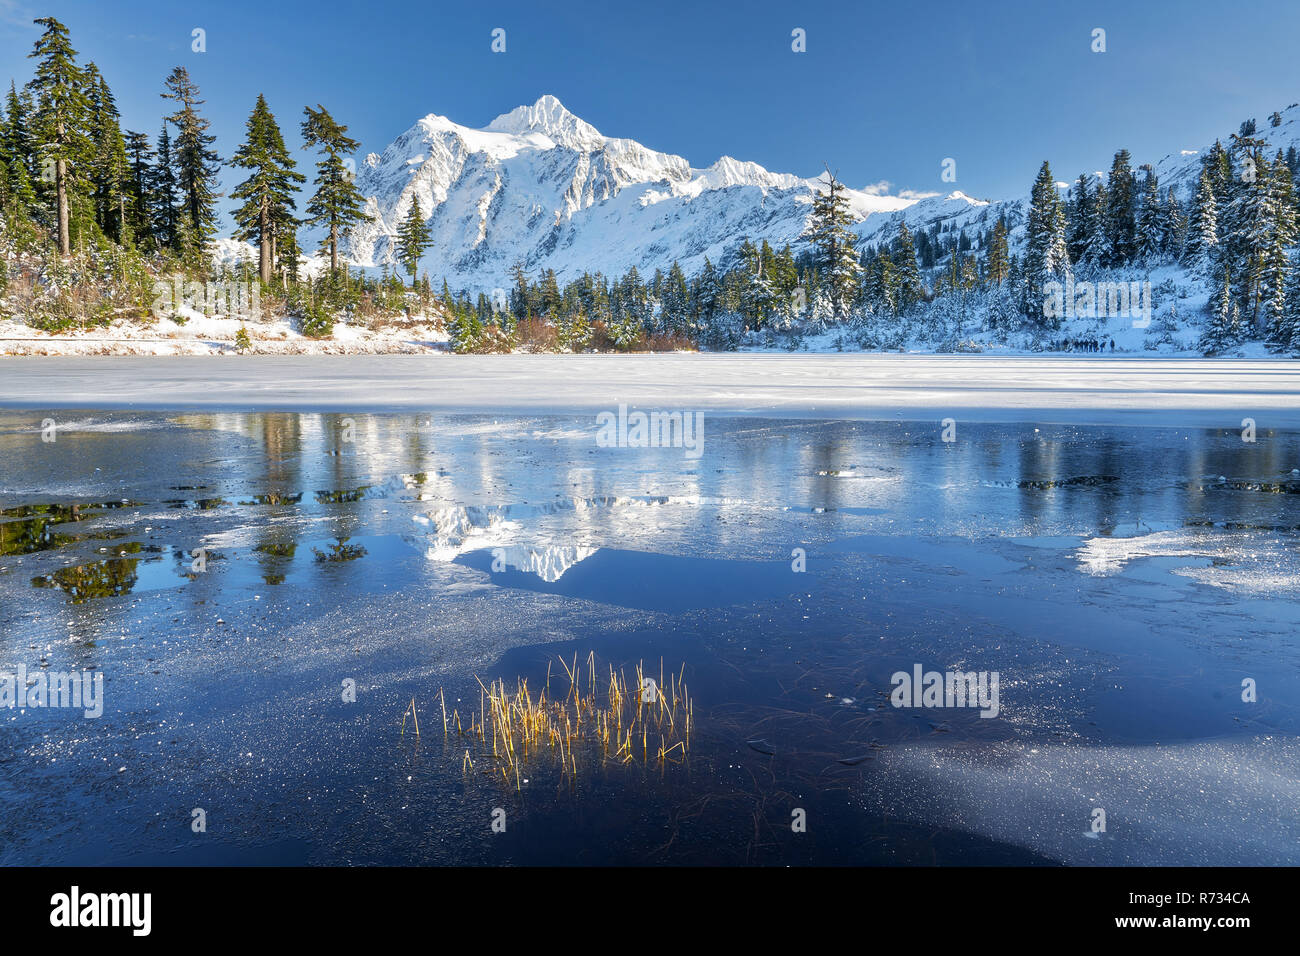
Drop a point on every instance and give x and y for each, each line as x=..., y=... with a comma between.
x=1078, y=389
x=215, y=335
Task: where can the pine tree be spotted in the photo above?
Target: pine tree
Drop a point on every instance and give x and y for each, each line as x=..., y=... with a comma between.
x=1121, y=212
x=1286, y=333
x=413, y=237
x=1097, y=250
x=59, y=123
x=1046, y=258
x=16, y=152
x=675, y=302
x=1173, y=232
x=337, y=204
x=268, y=193
x=997, y=260
x=197, y=164
x=140, y=201
x=548, y=293
x=758, y=300
x=165, y=189
x=574, y=331
x=464, y=329
x=18, y=142
x=110, y=170
x=1082, y=220
x=1221, y=331
x=1202, y=225
x=1276, y=265
x=707, y=296
x=1150, y=229
x=908, y=289
x=828, y=231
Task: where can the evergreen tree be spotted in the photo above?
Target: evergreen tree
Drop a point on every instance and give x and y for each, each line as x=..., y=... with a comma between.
x=521, y=298
x=1150, y=221
x=165, y=189
x=828, y=230
x=140, y=201
x=413, y=237
x=1082, y=220
x=268, y=192
x=1286, y=332
x=548, y=294
x=337, y=204
x=1121, y=212
x=675, y=302
x=197, y=164
x=574, y=331
x=758, y=300
x=706, y=298
x=18, y=144
x=59, y=123
x=997, y=260
x=1203, y=224
x=1097, y=251
x=1173, y=230
x=1221, y=331
x=907, y=286
x=1046, y=258
x=1276, y=265
x=110, y=169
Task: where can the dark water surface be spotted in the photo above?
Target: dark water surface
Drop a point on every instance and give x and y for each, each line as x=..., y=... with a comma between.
x=1122, y=582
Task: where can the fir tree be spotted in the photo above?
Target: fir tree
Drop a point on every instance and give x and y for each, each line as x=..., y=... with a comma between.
x=1286, y=333
x=997, y=260
x=1046, y=258
x=828, y=230
x=140, y=203
x=60, y=120
x=268, y=192
x=1082, y=220
x=18, y=143
x=337, y=204
x=1276, y=263
x=908, y=289
x=1121, y=212
x=165, y=189
x=1202, y=225
x=675, y=302
x=1097, y=250
x=413, y=237
x=706, y=297
x=110, y=169
x=1173, y=230
x=1150, y=228
x=197, y=164
x=1221, y=330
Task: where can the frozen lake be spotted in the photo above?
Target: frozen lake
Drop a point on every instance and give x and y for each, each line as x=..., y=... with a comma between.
x=1125, y=390
x=1123, y=582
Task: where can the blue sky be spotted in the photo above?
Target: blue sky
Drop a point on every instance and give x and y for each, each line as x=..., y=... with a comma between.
x=885, y=92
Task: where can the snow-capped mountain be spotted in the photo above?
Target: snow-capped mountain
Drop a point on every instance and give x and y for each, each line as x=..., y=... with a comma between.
x=541, y=186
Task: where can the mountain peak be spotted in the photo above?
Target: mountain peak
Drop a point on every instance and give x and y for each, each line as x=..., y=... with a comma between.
x=549, y=117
